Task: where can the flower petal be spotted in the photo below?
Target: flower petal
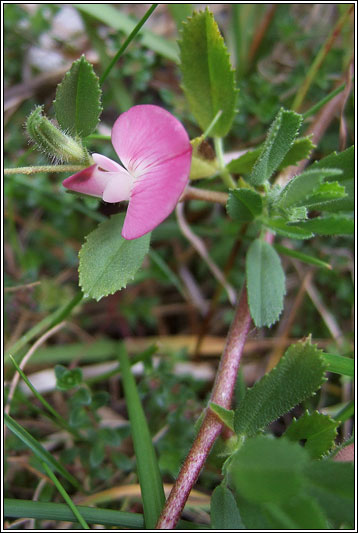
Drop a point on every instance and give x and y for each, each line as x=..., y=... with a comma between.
x=147, y=135
x=88, y=181
x=118, y=188
x=106, y=163
x=155, y=195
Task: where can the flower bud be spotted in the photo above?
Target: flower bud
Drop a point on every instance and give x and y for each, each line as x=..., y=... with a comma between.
x=52, y=141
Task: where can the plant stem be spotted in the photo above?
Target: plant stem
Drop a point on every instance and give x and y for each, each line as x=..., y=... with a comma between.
x=194, y=193
x=44, y=168
x=211, y=426
x=225, y=174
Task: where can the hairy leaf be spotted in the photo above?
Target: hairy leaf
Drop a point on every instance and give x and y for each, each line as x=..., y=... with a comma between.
x=108, y=261
x=303, y=185
x=265, y=283
x=296, y=377
x=279, y=140
x=225, y=415
x=318, y=432
x=208, y=79
x=328, y=225
x=280, y=226
x=244, y=205
x=300, y=150
x=78, y=99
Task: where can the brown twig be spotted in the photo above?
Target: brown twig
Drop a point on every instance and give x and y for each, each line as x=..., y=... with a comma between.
x=211, y=426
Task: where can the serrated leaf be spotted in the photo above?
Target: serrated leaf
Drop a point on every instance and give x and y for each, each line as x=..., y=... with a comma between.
x=108, y=261
x=244, y=205
x=280, y=226
x=268, y=470
x=303, y=185
x=328, y=225
x=225, y=415
x=208, y=79
x=297, y=376
x=224, y=513
x=279, y=140
x=265, y=283
x=331, y=483
x=325, y=195
x=78, y=99
x=318, y=432
x=343, y=161
x=300, y=150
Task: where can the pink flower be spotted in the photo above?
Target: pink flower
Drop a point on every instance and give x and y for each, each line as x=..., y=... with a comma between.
x=156, y=155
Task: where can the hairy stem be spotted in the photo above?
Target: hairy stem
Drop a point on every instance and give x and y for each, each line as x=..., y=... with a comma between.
x=44, y=168
x=211, y=426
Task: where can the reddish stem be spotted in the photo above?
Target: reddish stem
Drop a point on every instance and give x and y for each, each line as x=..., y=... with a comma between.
x=211, y=426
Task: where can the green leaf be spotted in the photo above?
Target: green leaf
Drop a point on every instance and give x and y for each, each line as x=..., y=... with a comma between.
x=147, y=464
x=40, y=452
x=107, y=260
x=244, y=205
x=299, y=513
x=343, y=161
x=280, y=226
x=265, y=283
x=299, y=373
x=268, y=470
x=339, y=364
x=317, y=430
x=223, y=510
x=97, y=454
x=67, y=379
x=279, y=140
x=300, y=150
x=208, y=79
x=118, y=20
x=329, y=225
x=78, y=99
x=225, y=415
x=301, y=186
x=301, y=256
x=331, y=483
x=326, y=193
x=82, y=397
x=245, y=163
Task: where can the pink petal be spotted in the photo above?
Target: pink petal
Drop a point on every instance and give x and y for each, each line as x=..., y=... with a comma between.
x=106, y=163
x=118, y=188
x=155, y=148
x=155, y=195
x=87, y=181
x=95, y=182
x=146, y=135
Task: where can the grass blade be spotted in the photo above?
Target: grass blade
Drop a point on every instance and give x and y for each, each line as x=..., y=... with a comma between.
x=39, y=450
x=147, y=465
x=127, y=42
x=66, y=497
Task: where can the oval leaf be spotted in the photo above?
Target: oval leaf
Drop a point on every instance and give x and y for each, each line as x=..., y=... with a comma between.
x=108, y=261
x=223, y=510
x=244, y=205
x=208, y=79
x=265, y=283
x=78, y=99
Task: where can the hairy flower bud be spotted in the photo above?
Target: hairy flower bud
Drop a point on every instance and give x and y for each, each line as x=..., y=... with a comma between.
x=52, y=141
